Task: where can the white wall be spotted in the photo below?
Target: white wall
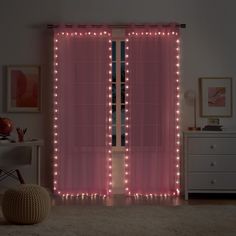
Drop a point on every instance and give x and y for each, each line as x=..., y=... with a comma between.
x=208, y=44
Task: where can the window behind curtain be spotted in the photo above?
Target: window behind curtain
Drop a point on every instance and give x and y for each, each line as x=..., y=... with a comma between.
x=118, y=93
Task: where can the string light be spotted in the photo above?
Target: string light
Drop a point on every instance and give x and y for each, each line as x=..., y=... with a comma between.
x=177, y=120
x=109, y=97
x=55, y=126
x=56, y=112
x=175, y=36
x=126, y=161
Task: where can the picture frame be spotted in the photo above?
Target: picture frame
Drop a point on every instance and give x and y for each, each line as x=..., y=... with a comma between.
x=23, y=88
x=215, y=96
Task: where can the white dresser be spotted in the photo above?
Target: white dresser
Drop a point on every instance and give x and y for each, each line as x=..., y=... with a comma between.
x=209, y=162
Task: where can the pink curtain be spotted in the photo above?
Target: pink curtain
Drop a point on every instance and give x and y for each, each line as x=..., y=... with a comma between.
x=82, y=138
x=152, y=136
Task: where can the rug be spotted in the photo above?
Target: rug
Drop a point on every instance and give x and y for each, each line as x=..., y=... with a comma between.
x=185, y=220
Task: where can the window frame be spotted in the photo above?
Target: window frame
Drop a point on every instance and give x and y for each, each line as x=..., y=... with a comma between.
x=118, y=35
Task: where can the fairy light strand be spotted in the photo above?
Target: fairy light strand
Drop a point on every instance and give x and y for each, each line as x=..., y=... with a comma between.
x=175, y=36
x=56, y=111
x=127, y=116
x=109, y=115
x=177, y=138
x=55, y=115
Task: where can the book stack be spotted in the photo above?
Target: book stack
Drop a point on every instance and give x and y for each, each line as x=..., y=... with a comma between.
x=213, y=128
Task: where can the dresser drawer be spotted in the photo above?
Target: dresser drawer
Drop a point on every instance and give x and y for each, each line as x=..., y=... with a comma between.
x=212, y=181
x=211, y=145
x=211, y=163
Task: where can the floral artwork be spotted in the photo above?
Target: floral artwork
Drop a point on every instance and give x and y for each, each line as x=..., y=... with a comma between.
x=216, y=96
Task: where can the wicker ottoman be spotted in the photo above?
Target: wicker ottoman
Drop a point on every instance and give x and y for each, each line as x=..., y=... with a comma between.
x=28, y=204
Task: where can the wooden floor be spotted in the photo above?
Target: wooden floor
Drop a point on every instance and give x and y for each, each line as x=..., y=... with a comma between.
x=121, y=200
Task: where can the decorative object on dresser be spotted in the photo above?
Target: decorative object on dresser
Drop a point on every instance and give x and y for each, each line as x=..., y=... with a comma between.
x=215, y=97
x=6, y=126
x=21, y=134
x=212, y=128
x=213, y=121
x=213, y=124
x=209, y=162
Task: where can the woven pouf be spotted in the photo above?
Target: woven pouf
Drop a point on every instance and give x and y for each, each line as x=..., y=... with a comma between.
x=27, y=204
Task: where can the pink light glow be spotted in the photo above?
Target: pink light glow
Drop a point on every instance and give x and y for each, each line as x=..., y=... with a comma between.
x=171, y=172
x=62, y=179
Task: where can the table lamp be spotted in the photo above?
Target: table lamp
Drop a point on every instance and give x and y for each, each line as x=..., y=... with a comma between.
x=190, y=98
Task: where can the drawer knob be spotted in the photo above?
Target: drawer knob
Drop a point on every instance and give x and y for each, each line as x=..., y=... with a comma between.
x=213, y=164
x=212, y=146
x=213, y=181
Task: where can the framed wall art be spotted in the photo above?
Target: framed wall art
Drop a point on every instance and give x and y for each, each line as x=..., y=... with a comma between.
x=215, y=97
x=23, y=88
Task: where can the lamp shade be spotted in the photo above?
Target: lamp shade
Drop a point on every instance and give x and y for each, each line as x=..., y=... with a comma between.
x=190, y=97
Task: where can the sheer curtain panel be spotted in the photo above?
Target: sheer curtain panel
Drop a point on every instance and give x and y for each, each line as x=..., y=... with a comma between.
x=152, y=111
x=82, y=100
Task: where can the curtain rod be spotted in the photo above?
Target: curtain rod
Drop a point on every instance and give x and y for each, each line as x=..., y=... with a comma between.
x=52, y=26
